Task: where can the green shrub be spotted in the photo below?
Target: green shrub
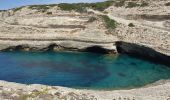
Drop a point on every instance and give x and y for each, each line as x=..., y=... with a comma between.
x=167, y=4
x=80, y=7
x=131, y=25
x=110, y=23
x=33, y=94
x=49, y=13
x=38, y=7
x=92, y=19
x=120, y=3
x=42, y=8
x=2, y=10
x=101, y=6
x=132, y=4
x=144, y=4
x=17, y=9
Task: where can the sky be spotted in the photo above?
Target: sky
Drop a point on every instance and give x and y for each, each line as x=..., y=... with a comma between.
x=8, y=4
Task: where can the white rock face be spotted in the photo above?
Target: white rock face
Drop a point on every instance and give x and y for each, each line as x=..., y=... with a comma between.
x=69, y=29
x=63, y=28
x=151, y=27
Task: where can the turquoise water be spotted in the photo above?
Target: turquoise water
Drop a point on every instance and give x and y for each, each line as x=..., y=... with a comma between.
x=79, y=70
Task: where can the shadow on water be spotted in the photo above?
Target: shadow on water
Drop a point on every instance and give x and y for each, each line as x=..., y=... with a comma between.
x=142, y=52
x=96, y=49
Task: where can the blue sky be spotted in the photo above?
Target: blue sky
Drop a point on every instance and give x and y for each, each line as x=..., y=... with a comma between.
x=8, y=4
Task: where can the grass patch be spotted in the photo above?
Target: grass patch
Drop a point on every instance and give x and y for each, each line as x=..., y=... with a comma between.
x=2, y=10
x=144, y=4
x=119, y=3
x=110, y=23
x=92, y=19
x=101, y=6
x=134, y=4
x=131, y=25
x=33, y=94
x=80, y=7
x=42, y=8
x=17, y=9
x=49, y=13
x=167, y=4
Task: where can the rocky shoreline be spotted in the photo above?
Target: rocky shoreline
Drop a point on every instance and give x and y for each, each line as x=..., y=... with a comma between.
x=16, y=91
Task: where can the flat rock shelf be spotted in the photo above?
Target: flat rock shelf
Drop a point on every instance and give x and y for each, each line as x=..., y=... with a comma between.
x=80, y=70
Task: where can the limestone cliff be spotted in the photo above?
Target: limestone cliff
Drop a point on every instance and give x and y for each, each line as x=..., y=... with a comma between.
x=79, y=26
x=34, y=29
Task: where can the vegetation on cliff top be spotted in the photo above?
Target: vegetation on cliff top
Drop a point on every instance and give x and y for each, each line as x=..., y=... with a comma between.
x=110, y=23
x=41, y=8
x=17, y=9
x=79, y=7
x=130, y=4
x=101, y=6
x=134, y=4
x=2, y=10
x=119, y=3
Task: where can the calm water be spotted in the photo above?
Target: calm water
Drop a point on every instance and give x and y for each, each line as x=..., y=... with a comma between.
x=79, y=70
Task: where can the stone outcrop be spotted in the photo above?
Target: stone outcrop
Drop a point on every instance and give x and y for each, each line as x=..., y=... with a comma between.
x=15, y=91
x=150, y=23
x=143, y=52
x=38, y=28
x=67, y=29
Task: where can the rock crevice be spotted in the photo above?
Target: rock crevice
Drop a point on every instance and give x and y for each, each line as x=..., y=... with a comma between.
x=143, y=52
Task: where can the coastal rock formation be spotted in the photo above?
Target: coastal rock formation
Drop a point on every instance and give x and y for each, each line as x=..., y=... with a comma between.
x=125, y=26
x=66, y=29
x=150, y=23
x=143, y=52
x=73, y=27
x=15, y=91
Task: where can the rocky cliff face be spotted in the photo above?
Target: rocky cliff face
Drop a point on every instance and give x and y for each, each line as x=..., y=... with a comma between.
x=143, y=22
x=39, y=27
x=37, y=30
